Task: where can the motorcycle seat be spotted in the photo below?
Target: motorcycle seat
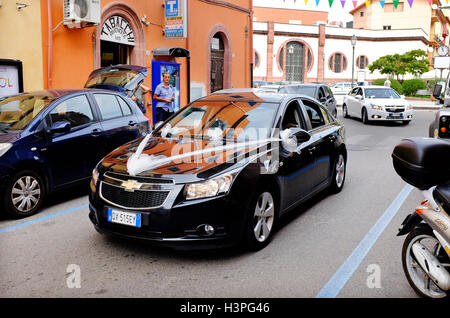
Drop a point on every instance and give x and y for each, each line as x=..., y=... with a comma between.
x=442, y=194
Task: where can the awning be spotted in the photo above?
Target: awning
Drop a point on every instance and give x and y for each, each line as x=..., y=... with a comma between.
x=171, y=51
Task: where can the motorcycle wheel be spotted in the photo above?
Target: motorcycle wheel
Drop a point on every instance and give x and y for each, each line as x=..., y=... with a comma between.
x=417, y=278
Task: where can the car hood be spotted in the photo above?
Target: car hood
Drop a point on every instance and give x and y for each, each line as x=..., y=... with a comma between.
x=117, y=77
x=9, y=137
x=387, y=101
x=183, y=161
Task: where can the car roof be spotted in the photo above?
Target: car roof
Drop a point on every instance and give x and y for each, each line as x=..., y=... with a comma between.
x=249, y=95
x=57, y=93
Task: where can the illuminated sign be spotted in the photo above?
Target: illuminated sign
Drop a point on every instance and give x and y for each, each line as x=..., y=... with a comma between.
x=175, y=19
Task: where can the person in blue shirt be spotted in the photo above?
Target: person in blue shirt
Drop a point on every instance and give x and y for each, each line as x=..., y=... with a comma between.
x=165, y=96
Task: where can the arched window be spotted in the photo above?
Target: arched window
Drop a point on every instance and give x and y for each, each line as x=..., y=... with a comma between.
x=337, y=62
x=362, y=61
x=295, y=59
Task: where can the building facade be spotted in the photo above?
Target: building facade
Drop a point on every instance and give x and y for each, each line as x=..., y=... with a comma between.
x=324, y=53
x=219, y=39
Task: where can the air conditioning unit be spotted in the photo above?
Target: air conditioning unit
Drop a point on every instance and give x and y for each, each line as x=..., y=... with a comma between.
x=81, y=13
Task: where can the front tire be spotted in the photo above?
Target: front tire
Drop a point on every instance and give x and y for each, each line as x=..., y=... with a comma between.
x=261, y=219
x=365, y=117
x=24, y=194
x=345, y=111
x=416, y=277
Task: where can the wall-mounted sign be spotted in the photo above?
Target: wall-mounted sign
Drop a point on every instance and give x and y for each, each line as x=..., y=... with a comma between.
x=118, y=30
x=11, y=80
x=175, y=19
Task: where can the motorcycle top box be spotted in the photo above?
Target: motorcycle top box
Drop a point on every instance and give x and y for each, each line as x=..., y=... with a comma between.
x=422, y=162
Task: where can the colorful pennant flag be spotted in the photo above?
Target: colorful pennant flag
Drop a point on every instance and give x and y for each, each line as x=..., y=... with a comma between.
x=396, y=3
x=382, y=3
x=411, y=2
x=354, y=3
x=343, y=3
x=306, y=2
x=317, y=2
x=330, y=2
x=430, y=2
x=367, y=3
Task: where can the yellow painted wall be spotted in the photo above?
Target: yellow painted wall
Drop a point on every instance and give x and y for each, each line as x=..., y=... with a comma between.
x=21, y=39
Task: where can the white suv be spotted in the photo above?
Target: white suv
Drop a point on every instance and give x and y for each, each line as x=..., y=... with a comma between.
x=377, y=103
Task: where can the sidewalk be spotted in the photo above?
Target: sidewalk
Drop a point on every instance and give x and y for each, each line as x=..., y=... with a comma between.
x=424, y=104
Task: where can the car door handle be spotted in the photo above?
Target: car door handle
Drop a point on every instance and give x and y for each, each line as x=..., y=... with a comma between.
x=96, y=132
x=312, y=150
x=132, y=123
x=332, y=138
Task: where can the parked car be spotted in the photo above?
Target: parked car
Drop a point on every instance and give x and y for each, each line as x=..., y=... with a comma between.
x=372, y=103
x=341, y=88
x=320, y=92
x=274, y=88
x=440, y=126
x=157, y=188
x=53, y=139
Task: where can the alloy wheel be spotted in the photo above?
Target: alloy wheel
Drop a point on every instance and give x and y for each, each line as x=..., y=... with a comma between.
x=340, y=171
x=26, y=194
x=263, y=217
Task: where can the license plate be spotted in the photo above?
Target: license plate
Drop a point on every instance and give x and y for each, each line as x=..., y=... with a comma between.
x=125, y=218
x=392, y=116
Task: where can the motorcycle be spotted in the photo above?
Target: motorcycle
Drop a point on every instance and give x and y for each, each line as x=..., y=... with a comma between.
x=425, y=164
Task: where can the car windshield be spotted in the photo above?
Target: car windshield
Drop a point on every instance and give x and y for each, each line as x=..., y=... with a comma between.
x=303, y=90
x=112, y=77
x=16, y=112
x=381, y=93
x=227, y=120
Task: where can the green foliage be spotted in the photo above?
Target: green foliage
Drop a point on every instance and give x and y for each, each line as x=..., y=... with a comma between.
x=394, y=84
x=410, y=87
x=414, y=62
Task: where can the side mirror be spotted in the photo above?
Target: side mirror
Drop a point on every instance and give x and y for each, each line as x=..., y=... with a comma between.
x=60, y=127
x=437, y=90
x=358, y=97
x=292, y=138
x=403, y=96
x=323, y=100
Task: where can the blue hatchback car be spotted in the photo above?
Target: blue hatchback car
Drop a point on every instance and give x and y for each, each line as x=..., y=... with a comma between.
x=53, y=139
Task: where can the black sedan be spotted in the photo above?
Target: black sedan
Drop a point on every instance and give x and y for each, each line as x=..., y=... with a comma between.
x=221, y=171
x=319, y=91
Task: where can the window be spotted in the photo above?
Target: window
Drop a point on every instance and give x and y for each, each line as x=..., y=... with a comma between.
x=295, y=58
x=292, y=118
x=337, y=62
x=321, y=93
x=256, y=60
x=361, y=14
x=109, y=106
x=386, y=27
x=126, y=111
x=76, y=110
x=315, y=114
x=362, y=61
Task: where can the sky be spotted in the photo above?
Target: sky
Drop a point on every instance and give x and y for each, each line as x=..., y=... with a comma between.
x=336, y=12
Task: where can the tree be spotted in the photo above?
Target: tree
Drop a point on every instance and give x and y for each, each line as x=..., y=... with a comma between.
x=414, y=62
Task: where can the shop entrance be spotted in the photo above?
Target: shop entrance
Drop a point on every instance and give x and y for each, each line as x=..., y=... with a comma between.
x=114, y=53
x=117, y=41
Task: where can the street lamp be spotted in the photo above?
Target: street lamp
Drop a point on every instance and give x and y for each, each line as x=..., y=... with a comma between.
x=353, y=41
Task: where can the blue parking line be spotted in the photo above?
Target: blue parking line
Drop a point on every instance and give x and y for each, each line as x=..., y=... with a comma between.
x=334, y=286
x=41, y=219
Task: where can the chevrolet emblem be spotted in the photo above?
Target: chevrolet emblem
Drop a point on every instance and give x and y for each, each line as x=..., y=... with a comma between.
x=131, y=185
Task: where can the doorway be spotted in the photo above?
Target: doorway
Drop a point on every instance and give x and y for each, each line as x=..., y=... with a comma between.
x=114, y=53
x=217, y=62
x=294, y=62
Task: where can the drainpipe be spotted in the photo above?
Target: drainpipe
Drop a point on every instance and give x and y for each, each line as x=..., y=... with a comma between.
x=50, y=45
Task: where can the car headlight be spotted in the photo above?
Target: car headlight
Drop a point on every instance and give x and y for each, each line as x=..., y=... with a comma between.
x=408, y=107
x=376, y=107
x=210, y=188
x=4, y=148
x=95, y=175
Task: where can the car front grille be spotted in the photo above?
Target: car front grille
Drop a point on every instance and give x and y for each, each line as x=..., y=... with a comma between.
x=395, y=110
x=137, y=199
x=150, y=180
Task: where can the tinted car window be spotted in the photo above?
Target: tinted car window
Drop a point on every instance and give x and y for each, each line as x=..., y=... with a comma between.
x=109, y=106
x=126, y=110
x=76, y=110
x=303, y=90
x=292, y=118
x=315, y=114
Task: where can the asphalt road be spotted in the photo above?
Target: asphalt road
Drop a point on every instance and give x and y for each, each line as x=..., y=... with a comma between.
x=325, y=247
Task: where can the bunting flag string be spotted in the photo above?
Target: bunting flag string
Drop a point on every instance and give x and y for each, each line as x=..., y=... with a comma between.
x=410, y=2
x=330, y=2
x=367, y=3
x=382, y=3
x=430, y=2
x=306, y=2
x=317, y=2
x=354, y=3
x=343, y=3
x=396, y=3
